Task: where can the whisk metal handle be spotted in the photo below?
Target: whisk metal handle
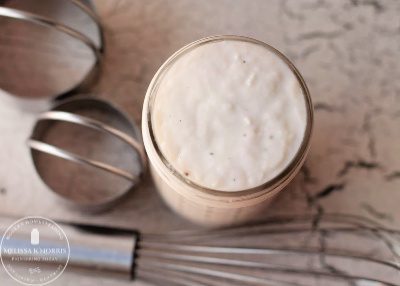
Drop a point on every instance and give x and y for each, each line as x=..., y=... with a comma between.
x=98, y=250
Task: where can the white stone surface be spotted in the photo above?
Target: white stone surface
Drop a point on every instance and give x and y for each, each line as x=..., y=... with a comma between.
x=348, y=52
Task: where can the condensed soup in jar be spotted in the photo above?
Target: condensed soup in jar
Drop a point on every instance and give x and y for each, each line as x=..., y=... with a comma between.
x=226, y=125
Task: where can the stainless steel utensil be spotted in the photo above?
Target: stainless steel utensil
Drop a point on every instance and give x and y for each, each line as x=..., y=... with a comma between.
x=304, y=250
x=58, y=44
x=88, y=152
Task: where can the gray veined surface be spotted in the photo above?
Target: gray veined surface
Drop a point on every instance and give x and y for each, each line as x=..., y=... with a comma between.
x=348, y=53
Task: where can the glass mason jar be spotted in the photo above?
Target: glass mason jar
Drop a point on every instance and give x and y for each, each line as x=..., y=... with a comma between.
x=207, y=206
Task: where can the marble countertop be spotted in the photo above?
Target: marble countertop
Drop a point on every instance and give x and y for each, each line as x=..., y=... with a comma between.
x=348, y=52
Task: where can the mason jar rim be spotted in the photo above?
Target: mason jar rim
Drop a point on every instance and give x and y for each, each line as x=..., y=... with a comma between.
x=266, y=187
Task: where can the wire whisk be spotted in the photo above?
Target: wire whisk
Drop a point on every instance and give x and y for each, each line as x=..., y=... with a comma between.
x=330, y=249
x=292, y=250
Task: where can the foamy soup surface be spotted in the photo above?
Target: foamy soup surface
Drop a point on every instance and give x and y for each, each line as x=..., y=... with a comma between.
x=229, y=115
